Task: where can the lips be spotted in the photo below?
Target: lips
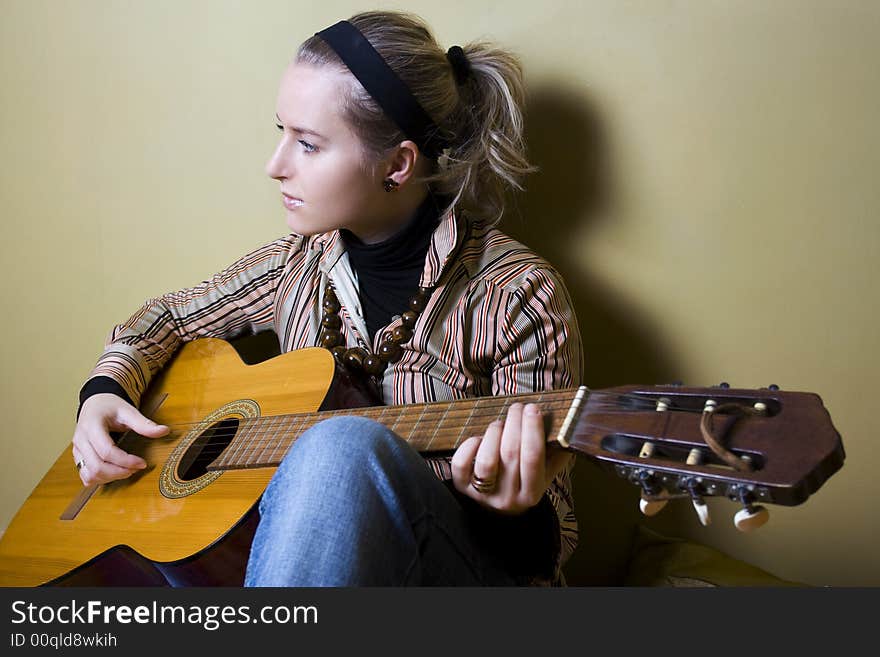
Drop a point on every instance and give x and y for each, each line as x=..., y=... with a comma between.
x=291, y=202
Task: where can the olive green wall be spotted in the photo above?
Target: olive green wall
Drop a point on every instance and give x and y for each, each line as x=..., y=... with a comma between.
x=708, y=189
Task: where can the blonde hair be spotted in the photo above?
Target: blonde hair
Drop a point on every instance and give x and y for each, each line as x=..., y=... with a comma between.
x=482, y=118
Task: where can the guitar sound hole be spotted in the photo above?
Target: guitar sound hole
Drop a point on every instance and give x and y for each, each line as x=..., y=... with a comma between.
x=206, y=448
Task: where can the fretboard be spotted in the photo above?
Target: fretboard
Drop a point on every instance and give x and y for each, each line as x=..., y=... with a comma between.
x=430, y=428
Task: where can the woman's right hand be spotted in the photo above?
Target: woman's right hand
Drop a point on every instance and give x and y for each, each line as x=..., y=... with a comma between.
x=98, y=457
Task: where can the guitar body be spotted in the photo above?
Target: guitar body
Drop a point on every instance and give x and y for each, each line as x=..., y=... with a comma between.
x=132, y=520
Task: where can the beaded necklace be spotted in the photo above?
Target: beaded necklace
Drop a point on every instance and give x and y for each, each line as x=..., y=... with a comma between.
x=358, y=358
x=406, y=248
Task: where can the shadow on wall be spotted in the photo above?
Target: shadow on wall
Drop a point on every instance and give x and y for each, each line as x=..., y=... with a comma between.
x=571, y=194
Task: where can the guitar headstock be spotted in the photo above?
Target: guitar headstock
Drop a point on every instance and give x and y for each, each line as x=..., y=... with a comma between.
x=782, y=445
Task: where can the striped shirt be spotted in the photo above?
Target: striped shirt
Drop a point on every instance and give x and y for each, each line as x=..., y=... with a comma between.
x=499, y=322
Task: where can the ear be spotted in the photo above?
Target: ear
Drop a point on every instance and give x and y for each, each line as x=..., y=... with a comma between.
x=402, y=162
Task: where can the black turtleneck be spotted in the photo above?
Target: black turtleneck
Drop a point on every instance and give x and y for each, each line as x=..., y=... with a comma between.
x=388, y=272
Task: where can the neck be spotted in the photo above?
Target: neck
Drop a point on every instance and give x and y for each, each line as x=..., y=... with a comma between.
x=398, y=213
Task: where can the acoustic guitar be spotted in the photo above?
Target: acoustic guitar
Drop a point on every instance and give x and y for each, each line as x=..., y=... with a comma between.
x=188, y=518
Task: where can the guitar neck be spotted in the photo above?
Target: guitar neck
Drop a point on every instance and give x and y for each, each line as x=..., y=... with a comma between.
x=434, y=427
x=651, y=435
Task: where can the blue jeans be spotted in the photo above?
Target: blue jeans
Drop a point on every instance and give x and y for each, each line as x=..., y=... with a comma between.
x=352, y=504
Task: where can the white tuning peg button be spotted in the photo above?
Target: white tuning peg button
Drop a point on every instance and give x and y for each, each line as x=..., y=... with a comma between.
x=702, y=510
x=750, y=518
x=651, y=507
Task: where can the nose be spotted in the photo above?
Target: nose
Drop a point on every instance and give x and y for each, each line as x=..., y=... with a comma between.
x=278, y=166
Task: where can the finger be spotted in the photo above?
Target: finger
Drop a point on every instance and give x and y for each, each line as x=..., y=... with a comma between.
x=102, y=473
x=113, y=455
x=463, y=465
x=78, y=448
x=78, y=460
x=486, y=460
x=532, y=454
x=106, y=451
x=128, y=417
x=511, y=439
x=94, y=471
x=86, y=455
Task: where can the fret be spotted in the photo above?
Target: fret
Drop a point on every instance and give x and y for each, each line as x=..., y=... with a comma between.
x=250, y=429
x=281, y=438
x=278, y=442
x=381, y=418
x=393, y=427
x=239, y=443
x=503, y=410
x=374, y=413
x=466, y=424
x=303, y=424
x=437, y=426
x=266, y=436
x=255, y=438
x=416, y=424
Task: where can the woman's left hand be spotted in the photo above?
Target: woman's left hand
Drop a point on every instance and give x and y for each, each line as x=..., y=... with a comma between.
x=509, y=467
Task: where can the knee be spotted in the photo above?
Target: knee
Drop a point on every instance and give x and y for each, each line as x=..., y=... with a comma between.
x=340, y=459
x=347, y=438
x=331, y=451
x=347, y=449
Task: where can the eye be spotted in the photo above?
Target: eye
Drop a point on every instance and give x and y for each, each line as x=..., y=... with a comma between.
x=309, y=147
x=280, y=127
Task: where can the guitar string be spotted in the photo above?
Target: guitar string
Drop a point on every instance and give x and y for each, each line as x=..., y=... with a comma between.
x=248, y=459
x=597, y=402
x=430, y=410
x=433, y=408
x=260, y=438
x=276, y=459
x=594, y=400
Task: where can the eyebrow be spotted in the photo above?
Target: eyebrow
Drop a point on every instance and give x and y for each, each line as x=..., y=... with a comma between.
x=304, y=131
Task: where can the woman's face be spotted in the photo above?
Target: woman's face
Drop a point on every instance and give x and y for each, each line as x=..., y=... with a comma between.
x=318, y=161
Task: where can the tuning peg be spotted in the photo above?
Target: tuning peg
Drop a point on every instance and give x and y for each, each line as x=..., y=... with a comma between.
x=723, y=384
x=648, y=506
x=702, y=510
x=695, y=457
x=750, y=517
x=651, y=507
x=773, y=386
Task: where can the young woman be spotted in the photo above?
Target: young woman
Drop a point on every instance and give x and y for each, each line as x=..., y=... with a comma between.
x=393, y=161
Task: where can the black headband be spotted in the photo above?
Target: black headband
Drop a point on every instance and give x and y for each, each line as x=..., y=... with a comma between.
x=382, y=83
